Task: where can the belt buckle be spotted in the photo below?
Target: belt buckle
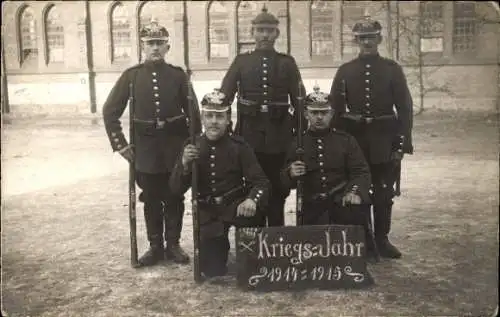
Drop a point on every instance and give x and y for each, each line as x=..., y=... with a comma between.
x=217, y=200
x=368, y=120
x=159, y=124
x=264, y=108
x=322, y=196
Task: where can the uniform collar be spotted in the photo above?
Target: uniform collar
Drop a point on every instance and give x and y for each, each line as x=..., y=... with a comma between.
x=319, y=133
x=155, y=64
x=218, y=141
x=369, y=57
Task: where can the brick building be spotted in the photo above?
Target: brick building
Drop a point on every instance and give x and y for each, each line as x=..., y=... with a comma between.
x=45, y=47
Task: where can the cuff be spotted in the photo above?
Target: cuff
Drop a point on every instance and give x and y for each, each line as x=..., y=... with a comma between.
x=118, y=142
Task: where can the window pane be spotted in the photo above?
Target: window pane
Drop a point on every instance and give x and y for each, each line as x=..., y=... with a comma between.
x=120, y=33
x=322, y=28
x=29, y=46
x=352, y=12
x=464, y=27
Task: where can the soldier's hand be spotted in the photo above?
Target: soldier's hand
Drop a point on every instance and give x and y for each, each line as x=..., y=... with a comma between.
x=297, y=168
x=128, y=153
x=189, y=154
x=351, y=199
x=248, y=208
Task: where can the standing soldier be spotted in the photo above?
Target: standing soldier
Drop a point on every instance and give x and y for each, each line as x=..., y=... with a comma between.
x=335, y=173
x=232, y=188
x=264, y=80
x=160, y=92
x=364, y=93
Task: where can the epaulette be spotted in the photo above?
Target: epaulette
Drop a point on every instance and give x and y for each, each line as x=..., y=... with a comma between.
x=237, y=138
x=137, y=66
x=179, y=68
x=340, y=132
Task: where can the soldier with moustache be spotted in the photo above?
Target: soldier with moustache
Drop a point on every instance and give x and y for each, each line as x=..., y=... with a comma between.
x=334, y=171
x=160, y=93
x=266, y=82
x=365, y=92
x=232, y=188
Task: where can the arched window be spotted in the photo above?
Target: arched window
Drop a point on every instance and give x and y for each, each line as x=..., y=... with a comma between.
x=121, y=47
x=27, y=32
x=218, y=34
x=322, y=13
x=352, y=12
x=146, y=14
x=247, y=10
x=54, y=36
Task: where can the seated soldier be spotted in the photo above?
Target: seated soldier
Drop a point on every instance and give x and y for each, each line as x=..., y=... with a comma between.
x=232, y=186
x=334, y=171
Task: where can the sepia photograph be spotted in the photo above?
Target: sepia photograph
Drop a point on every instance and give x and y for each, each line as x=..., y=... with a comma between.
x=250, y=158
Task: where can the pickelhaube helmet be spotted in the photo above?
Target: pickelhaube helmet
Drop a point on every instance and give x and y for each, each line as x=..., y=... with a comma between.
x=317, y=100
x=265, y=17
x=367, y=26
x=213, y=102
x=154, y=32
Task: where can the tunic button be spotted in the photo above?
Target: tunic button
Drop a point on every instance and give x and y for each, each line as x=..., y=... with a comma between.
x=214, y=190
x=154, y=80
x=367, y=96
x=212, y=156
x=212, y=165
x=157, y=110
x=213, y=181
x=264, y=58
x=155, y=87
x=323, y=178
x=264, y=78
x=367, y=81
x=213, y=148
x=368, y=65
x=367, y=104
x=157, y=103
x=265, y=71
x=260, y=191
x=319, y=140
x=264, y=65
x=320, y=147
x=367, y=73
x=320, y=163
x=367, y=88
x=113, y=133
x=213, y=173
x=157, y=95
x=320, y=155
x=265, y=86
x=322, y=170
x=154, y=73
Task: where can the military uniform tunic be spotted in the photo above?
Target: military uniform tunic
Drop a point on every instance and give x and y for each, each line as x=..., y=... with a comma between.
x=160, y=95
x=264, y=80
x=331, y=157
x=224, y=166
x=373, y=86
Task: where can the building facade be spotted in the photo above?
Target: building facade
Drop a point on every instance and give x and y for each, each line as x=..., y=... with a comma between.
x=449, y=49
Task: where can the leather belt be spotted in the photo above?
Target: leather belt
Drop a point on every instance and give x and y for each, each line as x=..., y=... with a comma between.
x=223, y=199
x=158, y=124
x=264, y=107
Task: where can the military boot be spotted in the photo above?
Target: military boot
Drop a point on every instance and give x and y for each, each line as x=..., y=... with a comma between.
x=174, y=213
x=383, y=214
x=153, y=217
x=387, y=249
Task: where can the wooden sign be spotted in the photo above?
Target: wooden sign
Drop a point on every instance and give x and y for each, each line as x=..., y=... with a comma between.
x=287, y=258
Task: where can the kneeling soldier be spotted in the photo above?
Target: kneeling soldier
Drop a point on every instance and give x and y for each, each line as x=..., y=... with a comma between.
x=232, y=187
x=334, y=171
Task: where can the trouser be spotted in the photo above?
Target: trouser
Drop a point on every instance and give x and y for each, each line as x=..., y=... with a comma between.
x=163, y=211
x=214, y=243
x=383, y=179
x=271, y=165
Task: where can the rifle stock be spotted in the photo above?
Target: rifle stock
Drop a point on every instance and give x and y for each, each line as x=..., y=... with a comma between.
x=300, y=156
x=131, y=185
x=194, y=191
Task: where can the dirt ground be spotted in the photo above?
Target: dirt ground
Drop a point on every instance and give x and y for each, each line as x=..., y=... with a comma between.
x=65, y=234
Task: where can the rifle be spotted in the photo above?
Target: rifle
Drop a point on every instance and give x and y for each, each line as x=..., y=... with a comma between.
x=194, y=192
x=371, y=230
x=131, y=185
x=300, y=154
